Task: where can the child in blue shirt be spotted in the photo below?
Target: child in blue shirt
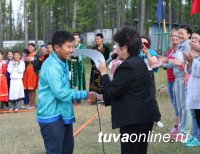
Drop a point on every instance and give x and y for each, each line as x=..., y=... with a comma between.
x=55, y=113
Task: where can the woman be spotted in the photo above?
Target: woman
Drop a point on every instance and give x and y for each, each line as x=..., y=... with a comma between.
x=3, y=80
x=133, y=108
x=179, y=84
x=30, y=76
x=9, y=59
x=150, y=57
x=171, y=78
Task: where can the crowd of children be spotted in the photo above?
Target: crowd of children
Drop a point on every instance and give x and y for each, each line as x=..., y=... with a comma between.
x=19, y=75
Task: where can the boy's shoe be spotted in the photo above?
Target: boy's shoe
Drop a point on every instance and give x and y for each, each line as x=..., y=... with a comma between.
x=160, y=124
x=194, y=143
x=16, y=109
x=24, y=106
x=188, y=140
x=6, y=108
x=30, y=107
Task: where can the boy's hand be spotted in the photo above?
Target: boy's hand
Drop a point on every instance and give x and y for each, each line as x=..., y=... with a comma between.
x=92, y=98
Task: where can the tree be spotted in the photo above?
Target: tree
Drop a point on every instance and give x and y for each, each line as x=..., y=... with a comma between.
x=67, y=14
x=118, y=13
x=11, y=24
x=142, y=17
x=43, y=17
x=99, y=15
x=170, y=15
x=36, y=23
x=74, y=15
x=1, y=26
x=26, y=23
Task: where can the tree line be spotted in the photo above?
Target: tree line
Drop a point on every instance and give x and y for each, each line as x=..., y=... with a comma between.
x=39, y=18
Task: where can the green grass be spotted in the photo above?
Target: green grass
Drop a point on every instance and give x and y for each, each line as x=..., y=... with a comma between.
x=20, y=134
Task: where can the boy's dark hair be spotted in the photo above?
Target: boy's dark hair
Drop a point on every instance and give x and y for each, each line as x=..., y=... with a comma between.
x=77, y=33
x=26, y=51
x=49, y=43
x=60, y=37
x=129, y=37
x=147, y=38
x=100, y=35
x=187, y=28
x=17, y=51
x=197, y=31
x=10, y=51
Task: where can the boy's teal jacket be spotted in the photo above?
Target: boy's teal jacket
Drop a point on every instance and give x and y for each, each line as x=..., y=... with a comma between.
x=54, y=94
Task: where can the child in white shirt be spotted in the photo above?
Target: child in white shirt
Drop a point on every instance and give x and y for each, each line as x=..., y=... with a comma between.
x=16, y=69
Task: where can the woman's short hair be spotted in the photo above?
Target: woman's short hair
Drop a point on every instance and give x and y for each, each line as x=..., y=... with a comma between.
x=26, y=51
x=147, y=38
x=188, y=29
x=129, y=37
x=32, y=44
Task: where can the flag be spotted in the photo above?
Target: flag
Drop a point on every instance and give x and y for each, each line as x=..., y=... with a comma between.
x=160, y=11
x=195, y=7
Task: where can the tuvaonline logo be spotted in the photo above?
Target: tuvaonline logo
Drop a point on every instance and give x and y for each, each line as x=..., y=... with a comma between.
x=151, y=137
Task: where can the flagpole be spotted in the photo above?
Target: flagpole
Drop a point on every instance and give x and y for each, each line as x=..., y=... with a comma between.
x=164, y=26
x=159, y=35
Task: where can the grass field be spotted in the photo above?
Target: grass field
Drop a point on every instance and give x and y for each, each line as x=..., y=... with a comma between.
x=20, y=134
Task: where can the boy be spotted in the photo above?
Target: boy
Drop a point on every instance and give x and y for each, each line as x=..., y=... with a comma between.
x=55, y=111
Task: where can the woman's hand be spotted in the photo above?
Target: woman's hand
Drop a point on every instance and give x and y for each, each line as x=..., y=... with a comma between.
x=195, y=46
x=176, y=62
x=163, y=59
x=145, y=50
x=102, y=68
x=29, y=59
x=188, y=58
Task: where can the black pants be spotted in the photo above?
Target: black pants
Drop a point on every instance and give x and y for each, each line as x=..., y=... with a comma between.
x=197, y=113
x=135, y=146
x=58, y=137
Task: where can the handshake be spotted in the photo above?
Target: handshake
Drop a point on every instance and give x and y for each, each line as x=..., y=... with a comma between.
x=94, y=97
